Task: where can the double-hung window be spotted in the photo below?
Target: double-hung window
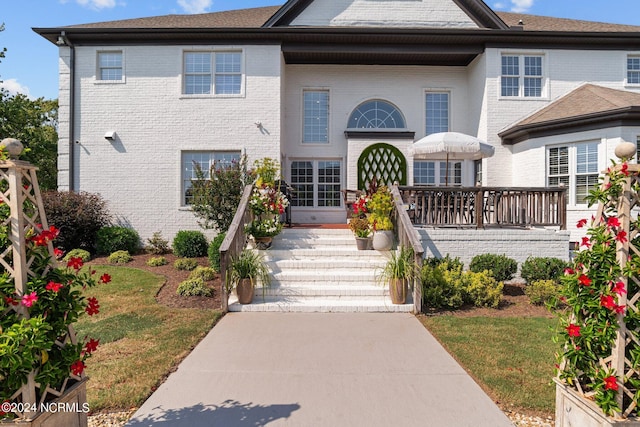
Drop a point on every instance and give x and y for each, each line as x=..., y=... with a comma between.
x=198, y=164
x=522, y=76
x=435, y=173
x=218, y=73
x=110, y=66
x=436, y=112
x=574, y=166
x=316, y=116
x=317, y=183
x=633, y=70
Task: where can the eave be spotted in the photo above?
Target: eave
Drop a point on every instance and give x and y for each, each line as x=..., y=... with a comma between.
x=628, y=116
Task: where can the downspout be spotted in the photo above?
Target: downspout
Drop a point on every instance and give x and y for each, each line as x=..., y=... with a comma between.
x=72, y=106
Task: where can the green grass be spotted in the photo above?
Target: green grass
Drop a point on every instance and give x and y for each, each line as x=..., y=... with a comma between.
x=140, y=340
x=511, y=358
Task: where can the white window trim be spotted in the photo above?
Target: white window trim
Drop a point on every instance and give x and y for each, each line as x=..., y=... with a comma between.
x=182, y=206
x=439, y=182
x=315, y=183
x=213, y=51
x=301, y=130
x=97, y=80
x=424, y=103
x=544, y=96
x=626, y=70
x=571, y=188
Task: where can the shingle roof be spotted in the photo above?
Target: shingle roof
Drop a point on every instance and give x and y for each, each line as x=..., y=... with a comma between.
x=546, y=23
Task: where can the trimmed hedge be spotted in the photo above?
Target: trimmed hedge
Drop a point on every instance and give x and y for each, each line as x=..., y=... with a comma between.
x=501, y=267
x=214, y=251
x=117, y=238
x=190, y=244
x=542, y=268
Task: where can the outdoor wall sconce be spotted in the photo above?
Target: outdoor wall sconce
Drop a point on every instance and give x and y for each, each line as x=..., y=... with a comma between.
x=110, y=136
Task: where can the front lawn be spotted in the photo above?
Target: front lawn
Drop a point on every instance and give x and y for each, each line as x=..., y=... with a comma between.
x=140, y=340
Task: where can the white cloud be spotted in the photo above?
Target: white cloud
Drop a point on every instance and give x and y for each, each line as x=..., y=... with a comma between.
x=13, y=87
x=195, y=6
x=518, y=6
x=97, y=4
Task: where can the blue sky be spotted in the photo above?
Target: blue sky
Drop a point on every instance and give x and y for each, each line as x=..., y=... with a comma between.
x=31, y=63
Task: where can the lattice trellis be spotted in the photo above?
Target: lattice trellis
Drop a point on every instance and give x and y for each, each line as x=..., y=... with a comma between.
x=627, y=339
x=21, y=192
x=384, y=162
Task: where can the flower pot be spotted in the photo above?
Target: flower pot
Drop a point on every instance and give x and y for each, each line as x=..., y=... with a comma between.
x=263, y=243
x=363, y=243
x=382, y=240
x=244, y=289
x=398, y=290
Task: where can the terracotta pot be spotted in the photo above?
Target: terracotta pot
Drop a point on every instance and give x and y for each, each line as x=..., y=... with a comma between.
x=244, y=289
x=263, y=243
x=363, y=243
x=382, y=240
x=398, y=290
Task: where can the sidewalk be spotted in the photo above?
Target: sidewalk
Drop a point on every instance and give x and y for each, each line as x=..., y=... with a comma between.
x=317, y=369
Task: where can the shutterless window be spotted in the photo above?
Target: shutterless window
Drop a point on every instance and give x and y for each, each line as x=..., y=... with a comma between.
x=574, y=166
x=329, y=184
x=376, y=114
x=199, y=78
x=316, y=183
x=633, y=70
x=228, y=73
x=437, y=112
x=110, y=65
x=204, y=161
x=558, y=167
x=521, y=76
x=435, y=173
x=316, y=116
x=586, y=170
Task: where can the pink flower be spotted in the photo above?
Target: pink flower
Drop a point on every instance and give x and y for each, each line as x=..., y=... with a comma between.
x=53, y=286
x=619, y=288
x=619, y=309
x=613, y=222
x=585, y=242
x=58, y=253
x=569, y=271
x=625, y=169
x=581, y=223
x=29, y=299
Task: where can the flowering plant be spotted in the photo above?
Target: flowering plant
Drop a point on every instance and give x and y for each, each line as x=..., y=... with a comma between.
x=36, y=334
x=360, y=226
x=381, y=207
x=267, y=203
x=267, y=227
x=360, y=206
x=596, y=290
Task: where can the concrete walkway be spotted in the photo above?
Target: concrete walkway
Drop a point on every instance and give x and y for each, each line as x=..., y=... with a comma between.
x=319, y=369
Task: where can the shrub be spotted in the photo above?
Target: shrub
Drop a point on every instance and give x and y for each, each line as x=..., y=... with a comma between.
x=190, y=244
x=214, y=251
x=185, y=264
x=78, y=216
x=542, y=292
x=194, y=287
x=541, y=268
x=157, y=244
x=482, y=289
x=203, y=273
x=452, y=263
x=438, y=288
x=78, y=253
x=501, y=267
x=116, y=238
x=120, y=257
x=157, y=261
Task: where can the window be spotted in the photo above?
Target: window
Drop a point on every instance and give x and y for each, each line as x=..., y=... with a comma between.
x=575, y=167
x=425, y=173
x=203, y=160
x=316, y=183
x=437, y=112
x=521, y=76
x=316, y=116
x=633, y=70
x=376, y=115
x=226, y=78
x=110, y=66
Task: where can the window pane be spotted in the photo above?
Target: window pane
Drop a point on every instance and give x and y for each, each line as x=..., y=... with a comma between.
x=633, y=70
x=584, y=184
x=316, y=116
x=302, y=183
x=532, y=87
x=111, y=74
x=454, y=171
x=228, y=78
x=197, y=67
x=424, y=173
x=329, y=183
x=191, y=161
x=228, y=83
x=510, y=86
x=228, y=62
x=437, y=113
x=110, y=65
x=198, y=62
x=533, y=66
x=198, y=84
x=376, y=115
x=510, y=66
x=587, y=158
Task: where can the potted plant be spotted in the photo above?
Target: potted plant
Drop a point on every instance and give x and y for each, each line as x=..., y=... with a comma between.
x=381, y=208
x=245, y=271
x=361, y=229
x=400, y=270
x=267, y=203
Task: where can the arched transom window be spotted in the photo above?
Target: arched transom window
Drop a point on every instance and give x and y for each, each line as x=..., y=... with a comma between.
x=376, y=114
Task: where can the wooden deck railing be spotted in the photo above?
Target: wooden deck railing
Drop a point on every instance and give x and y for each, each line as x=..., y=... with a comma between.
x=235, y=241
x=486, y=206
x=408, y=237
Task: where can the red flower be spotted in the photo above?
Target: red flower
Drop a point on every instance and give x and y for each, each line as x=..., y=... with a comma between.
x=585, y=242
x=581, y=223
x=613, y=222
x=58, y=253
x=29, y=299
x=75, y=262
x=573, y=330
x=105, y=278
x=584, y=280
x=611, y=383
x=619, y=309
x=53, y=286
x=625, y=171
x=92, y=306
x=91, y=346
x=619, y=288
x=77, y=367
x=621, y=236
x=569, y=271
x=607, y=301
x=11, y=301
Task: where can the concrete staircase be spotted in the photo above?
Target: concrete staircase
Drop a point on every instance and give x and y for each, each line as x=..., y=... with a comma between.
x=321, y=270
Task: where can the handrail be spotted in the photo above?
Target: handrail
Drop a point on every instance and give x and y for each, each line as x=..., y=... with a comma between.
x=408, y=237
x=235, y=241
x=487, y=206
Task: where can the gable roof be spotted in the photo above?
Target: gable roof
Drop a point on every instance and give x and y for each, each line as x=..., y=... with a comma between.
x=587, y=107
x=547, y=23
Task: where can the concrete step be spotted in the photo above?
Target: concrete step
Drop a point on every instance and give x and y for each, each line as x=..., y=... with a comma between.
x=318, y=290
x=321, y=304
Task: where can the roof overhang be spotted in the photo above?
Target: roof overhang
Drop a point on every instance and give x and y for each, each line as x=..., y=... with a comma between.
x=628, y=116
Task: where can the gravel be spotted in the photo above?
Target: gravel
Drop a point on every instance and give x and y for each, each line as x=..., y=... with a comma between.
x=119, y=419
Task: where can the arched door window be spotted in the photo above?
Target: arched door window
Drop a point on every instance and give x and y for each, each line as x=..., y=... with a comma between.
x=376, y=114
